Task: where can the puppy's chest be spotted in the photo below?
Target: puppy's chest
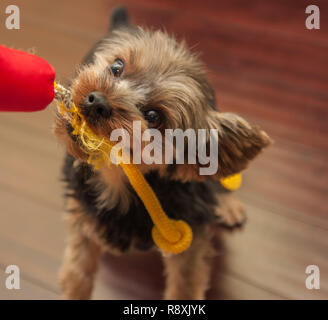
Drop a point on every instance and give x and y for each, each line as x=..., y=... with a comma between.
x=121, y=215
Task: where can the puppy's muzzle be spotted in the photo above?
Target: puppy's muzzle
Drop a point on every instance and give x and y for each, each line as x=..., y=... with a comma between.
x=96, y=107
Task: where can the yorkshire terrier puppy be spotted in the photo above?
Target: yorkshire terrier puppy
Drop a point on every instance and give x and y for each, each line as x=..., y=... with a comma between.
x=147, y=76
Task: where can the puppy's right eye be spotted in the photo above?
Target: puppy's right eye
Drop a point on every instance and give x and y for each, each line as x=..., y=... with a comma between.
x=117, y=68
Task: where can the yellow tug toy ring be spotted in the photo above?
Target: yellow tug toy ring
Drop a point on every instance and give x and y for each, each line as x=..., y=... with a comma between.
x=172, y=236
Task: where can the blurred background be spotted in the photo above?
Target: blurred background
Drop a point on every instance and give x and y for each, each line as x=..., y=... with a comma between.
x=265, y=65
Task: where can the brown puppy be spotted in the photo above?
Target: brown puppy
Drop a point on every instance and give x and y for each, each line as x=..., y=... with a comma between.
x=146, y=76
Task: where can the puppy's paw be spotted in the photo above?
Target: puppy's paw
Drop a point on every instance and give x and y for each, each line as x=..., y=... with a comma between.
x=230, y=211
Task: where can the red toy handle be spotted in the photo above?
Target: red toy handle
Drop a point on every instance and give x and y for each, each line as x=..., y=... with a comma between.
x=26, y=81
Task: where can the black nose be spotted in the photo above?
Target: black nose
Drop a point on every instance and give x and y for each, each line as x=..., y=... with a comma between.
x=96, y=106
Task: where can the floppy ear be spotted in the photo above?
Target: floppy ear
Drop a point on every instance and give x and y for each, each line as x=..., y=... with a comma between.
x=236, y=143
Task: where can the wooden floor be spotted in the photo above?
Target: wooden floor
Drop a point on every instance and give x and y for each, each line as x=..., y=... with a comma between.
x=265, y=65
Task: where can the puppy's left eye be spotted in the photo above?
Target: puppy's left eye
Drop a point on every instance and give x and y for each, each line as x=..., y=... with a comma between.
x=153, y=117
x=117, y=68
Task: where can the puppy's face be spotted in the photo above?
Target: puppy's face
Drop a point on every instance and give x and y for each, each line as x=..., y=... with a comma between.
x=148, y=77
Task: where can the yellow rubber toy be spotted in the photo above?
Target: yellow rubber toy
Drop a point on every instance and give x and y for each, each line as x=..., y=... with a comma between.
x=233, y=182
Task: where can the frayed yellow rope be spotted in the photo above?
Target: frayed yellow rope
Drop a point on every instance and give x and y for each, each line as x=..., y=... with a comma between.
x=172, y=236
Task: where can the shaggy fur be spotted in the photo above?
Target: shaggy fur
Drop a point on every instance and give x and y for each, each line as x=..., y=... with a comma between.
x=104, y=211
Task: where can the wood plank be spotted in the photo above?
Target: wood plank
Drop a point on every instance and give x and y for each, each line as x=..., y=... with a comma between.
x=272, y=17
x=293, y=244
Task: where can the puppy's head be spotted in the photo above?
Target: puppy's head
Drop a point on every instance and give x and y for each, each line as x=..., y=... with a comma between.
x=148, y=77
